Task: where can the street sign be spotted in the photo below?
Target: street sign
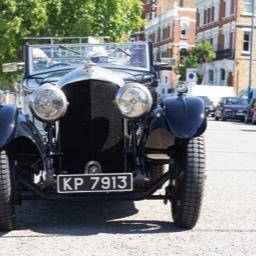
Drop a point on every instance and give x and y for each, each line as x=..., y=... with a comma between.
x=10, y=67
x=191, y=75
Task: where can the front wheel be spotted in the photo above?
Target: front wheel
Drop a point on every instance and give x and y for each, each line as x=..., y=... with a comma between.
x=223, y=118
x=187, y=181
x=216, y=118
x=7, y=210
x=246, y=119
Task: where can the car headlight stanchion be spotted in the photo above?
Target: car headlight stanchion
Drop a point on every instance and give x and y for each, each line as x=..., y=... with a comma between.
x=134, y=100
x=48, y=103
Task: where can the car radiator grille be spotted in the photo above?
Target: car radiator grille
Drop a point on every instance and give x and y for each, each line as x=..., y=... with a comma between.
x=92, y=128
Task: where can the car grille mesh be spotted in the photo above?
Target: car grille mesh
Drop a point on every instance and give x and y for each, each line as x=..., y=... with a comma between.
x=91, y=130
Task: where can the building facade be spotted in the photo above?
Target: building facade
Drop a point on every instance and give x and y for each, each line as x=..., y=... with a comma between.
x=227, y=25
x=171, y=26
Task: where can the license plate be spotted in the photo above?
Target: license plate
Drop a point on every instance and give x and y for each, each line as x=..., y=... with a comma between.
x=240, y=114
x=89, y=183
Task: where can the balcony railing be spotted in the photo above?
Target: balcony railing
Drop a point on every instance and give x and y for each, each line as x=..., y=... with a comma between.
x=225, y=54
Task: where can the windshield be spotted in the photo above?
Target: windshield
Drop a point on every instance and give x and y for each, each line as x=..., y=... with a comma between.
x=45, y=58
x=236, y=101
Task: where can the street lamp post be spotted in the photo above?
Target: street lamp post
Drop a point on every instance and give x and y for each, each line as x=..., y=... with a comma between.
x=160, y=44
x=159, y=53
x=251, y=54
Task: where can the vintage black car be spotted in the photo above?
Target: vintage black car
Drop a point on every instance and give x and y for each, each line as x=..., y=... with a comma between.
x=90, y=128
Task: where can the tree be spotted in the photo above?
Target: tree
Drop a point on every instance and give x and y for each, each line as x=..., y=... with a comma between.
x=205, y=54
x=188, y=60
x=193, y=57
x=114, y=18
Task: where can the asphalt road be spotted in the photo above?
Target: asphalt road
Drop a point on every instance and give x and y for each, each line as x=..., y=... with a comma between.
x=227, y=225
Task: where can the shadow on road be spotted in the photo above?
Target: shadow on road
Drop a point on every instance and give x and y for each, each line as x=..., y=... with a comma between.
x=84, y=219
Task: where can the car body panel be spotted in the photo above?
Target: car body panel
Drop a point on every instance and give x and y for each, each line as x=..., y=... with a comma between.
x=180, y=112
x=17, y=131
x=8, y=117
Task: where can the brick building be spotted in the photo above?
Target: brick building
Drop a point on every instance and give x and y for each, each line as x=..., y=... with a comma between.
x=171, y=26
x=227, y=25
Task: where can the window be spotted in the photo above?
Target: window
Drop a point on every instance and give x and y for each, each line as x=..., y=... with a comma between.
x=183, y=29
x=212, y=13
x=201, y=21
x=233, y=6
x=183, y=32
x=226, y=40
x=209, y=15
x=215, y=42
x=216, y=12
x=247, y=6
x=222, y=74
x=228, y=8
x=211, y=75
x=246, y=41
x=231, y=41
x=205, y=17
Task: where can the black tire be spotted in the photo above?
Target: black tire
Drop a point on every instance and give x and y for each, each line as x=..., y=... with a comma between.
x=216, y=117
x=188, y=178
x=223, y=118
x=7, y=209
x=246, y=119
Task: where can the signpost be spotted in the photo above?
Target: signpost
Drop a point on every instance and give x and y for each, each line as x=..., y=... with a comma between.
x=191, y=78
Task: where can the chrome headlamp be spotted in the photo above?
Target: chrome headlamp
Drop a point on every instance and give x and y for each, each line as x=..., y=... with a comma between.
x=182, y=87
x=48, y=103
x=134, y=100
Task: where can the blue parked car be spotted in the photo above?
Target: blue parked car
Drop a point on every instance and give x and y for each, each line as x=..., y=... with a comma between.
x=231, y=108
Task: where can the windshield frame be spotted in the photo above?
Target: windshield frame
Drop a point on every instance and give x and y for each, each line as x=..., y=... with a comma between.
x=80, y=52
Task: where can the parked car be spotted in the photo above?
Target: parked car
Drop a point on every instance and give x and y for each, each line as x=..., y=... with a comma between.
x=250, y=113
x=209, y=105
x=90, y=128
x=244, y=93
x=231, y=108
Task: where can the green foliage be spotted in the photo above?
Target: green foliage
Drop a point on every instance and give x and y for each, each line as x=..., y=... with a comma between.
x=193, y=57
x=190, y=61
x=204, y=52
x=114, y=18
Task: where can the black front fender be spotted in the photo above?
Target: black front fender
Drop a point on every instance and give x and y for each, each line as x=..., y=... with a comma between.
x=14, y=125
x=185, y=116
x=8, y=123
